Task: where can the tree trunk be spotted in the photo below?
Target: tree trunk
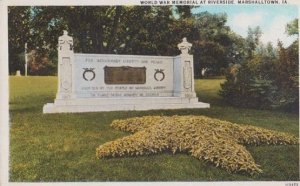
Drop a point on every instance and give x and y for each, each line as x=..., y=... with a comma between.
x=111, y=41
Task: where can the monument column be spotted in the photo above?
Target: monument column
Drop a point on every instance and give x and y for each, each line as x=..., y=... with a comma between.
x=184, y=63
x=65, y=66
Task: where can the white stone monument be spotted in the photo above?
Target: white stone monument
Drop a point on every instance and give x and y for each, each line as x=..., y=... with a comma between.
x=18, y=73
x=105, y=82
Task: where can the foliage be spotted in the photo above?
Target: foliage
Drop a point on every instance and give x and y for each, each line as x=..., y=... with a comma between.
x=40, y=65
x=267, y=78
x=146, y=30
x=292, y=27
x=205, y=138
x=90, y=26
x=141, y=30
x=213, y=42
x=184, y=12
x=18, y=35
x=287, y=78
x=252, y=41
x=247, y=87
x=106, y=29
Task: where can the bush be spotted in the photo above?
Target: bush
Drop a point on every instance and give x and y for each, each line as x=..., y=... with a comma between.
x=263, y=82
x=40, y=64
x=243, y=89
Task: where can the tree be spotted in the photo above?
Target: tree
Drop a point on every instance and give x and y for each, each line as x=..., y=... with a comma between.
x=252, y=41
x=94, y=28
x=18, y=35
x=266, y=79
x=140, y=30
x=184, y=12
x=112, y=29
x=40, y=64
x=287, y=78
x=292, y=28
x=212, y=42
x=150, y=31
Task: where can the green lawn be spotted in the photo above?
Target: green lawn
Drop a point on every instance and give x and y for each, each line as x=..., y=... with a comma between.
x=61, y=147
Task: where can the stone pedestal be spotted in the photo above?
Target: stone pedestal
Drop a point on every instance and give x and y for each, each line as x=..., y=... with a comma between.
x=18, y=73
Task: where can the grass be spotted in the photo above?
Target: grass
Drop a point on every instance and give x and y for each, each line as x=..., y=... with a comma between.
x=61, y=147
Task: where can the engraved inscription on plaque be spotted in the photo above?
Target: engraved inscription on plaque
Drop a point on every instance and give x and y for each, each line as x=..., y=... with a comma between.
x=124, y=75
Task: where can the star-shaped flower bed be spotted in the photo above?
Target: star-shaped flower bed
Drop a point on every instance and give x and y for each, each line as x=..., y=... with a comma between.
x=220, y=142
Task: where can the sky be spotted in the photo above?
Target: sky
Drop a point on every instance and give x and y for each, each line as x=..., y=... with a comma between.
x=272, y=19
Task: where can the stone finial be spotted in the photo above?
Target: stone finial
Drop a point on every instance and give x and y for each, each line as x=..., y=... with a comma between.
x=185, y=46
x=65, y=32
x=65, y=42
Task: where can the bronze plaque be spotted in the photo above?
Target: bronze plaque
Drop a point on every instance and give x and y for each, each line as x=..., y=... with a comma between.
x=124, y=75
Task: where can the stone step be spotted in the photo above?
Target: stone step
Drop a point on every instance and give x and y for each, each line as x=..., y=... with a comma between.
x=127, y=101
x=51, y=108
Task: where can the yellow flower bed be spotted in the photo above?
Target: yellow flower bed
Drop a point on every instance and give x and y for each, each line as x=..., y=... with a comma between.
x=213, y=140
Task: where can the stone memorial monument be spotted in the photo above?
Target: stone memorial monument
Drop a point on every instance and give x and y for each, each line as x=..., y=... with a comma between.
x=109, y=82
x=18, y=73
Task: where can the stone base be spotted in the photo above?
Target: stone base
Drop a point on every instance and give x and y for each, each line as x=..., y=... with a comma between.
x=118, y=104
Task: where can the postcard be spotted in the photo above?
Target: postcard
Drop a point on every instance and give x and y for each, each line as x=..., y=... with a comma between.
x=170, y=92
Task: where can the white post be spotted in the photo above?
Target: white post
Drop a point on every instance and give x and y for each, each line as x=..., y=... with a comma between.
x=26, y=59
x=65, y=66
x=184, y=65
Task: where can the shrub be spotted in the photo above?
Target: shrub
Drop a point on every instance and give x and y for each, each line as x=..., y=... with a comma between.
x=40, y=64
x=244, y=89
x=264, y=82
